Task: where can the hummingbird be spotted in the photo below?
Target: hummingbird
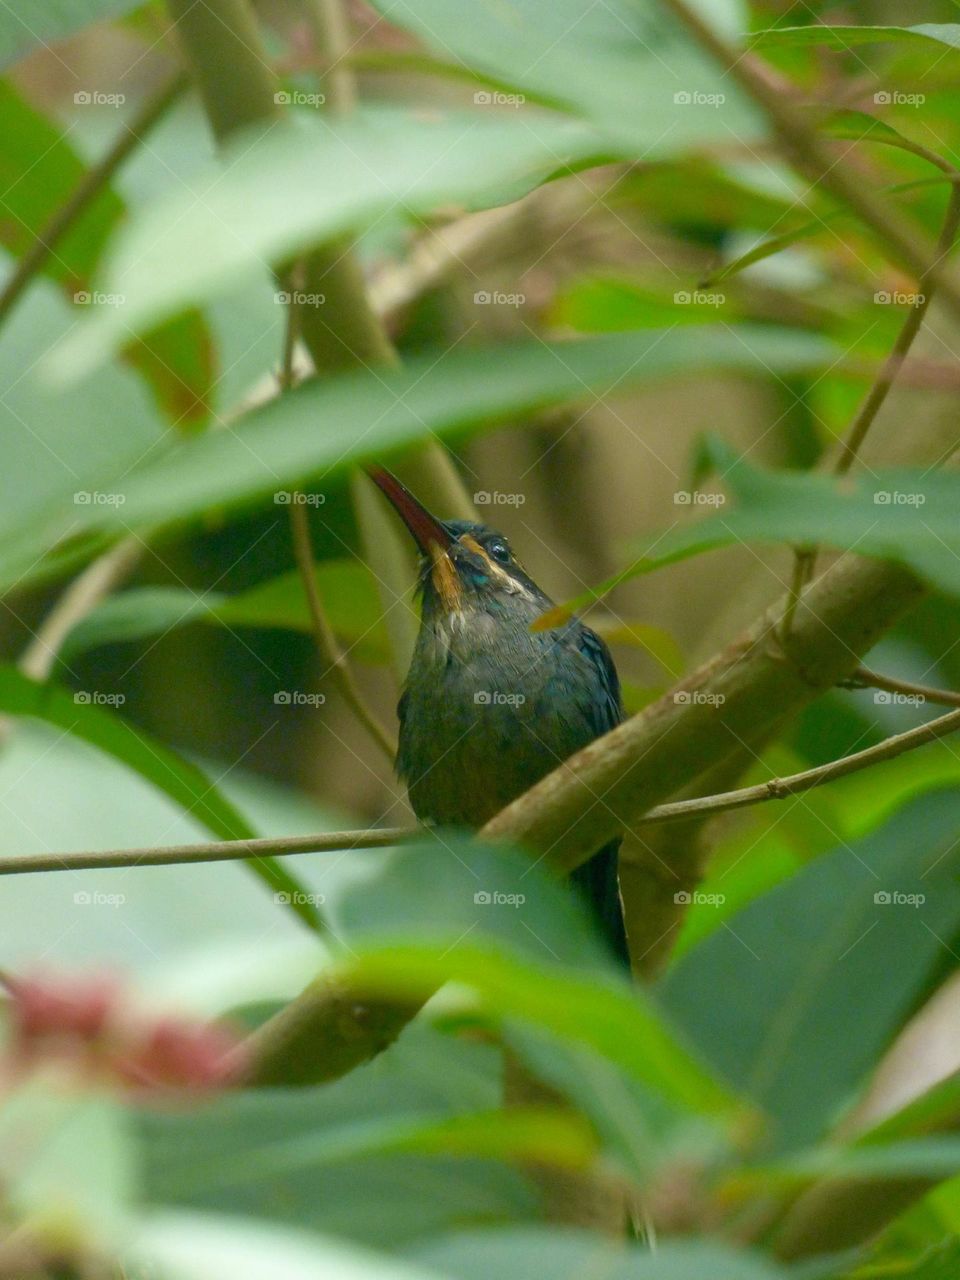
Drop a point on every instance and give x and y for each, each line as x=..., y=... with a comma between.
x=490, y=706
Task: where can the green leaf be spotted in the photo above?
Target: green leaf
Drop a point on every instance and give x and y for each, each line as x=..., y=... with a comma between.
x=320, y=1156
x=67, y=1157
x=846, y=37
x=271, y=196
x=808, y=953
x=455, y=910
x=623, y=66
x=188, y=1246
x=80, y=715
x=326, y=425
x=39, y=172
x=25, y=25
x=907, y=516
x=564, y=1253
x=346, y=588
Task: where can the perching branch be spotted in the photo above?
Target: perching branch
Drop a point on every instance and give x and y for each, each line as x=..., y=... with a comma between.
x=379, y=838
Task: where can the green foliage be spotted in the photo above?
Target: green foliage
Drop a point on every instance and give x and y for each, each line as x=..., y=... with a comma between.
x=576, y=219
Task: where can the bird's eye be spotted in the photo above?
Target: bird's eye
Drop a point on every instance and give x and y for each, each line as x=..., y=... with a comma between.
x=499, y=551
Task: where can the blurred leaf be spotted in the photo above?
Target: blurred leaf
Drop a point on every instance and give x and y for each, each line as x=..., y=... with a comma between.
x=614, y=305
x=321, y=1156
x=454, y=910
x=907, y=516
x=271, y=195
x=627, y=68
x=346, y=588
x=25, y=24
x=301, y=435
x=76, y=713
x=655, y=641
x=844, y=37
x=564, y=1253
x=39, y=172
x=192, y=1246
x=66, y=1158
x=808, y=953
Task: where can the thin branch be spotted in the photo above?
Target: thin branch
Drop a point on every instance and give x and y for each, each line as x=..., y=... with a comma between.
x=211, y=851
x=803, y=148
x=805, y=558
x=326, y=642
x=86, y=191
x=328, y=648
x=681, y=811
x=79, y=599
x=864, y=678
x=905, y=338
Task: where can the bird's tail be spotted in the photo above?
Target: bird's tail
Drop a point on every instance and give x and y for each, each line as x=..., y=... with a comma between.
x=599, y=884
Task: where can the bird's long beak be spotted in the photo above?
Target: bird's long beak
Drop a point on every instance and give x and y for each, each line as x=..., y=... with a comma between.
x=429, y=534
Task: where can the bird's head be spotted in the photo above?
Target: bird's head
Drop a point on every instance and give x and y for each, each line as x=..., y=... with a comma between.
x=464, y=566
